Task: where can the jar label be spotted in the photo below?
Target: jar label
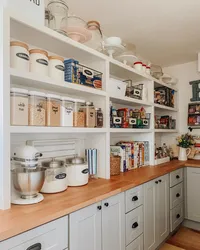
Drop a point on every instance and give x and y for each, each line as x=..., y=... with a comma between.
x=21, y=106
x=85, y=171
x=60, y=176
x=132, y=121
x=60, y=67
x=39, y=107
x=55, y=109
x=68, y=111
x=42, y=61
x=23, y=56
x=117, y=120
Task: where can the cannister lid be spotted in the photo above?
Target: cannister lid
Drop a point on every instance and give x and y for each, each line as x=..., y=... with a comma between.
x=18, y=43
x=18, y=90
x=60, y=58
x=38, y=51
x=37, y=93
x=65, y=98
x=53, y=96
x=76, y=160
x=53, y=163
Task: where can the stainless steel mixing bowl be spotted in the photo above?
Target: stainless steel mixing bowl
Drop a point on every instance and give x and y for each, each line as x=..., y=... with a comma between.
x=28, y=182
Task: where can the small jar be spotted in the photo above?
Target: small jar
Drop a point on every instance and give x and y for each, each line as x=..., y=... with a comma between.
x=79, y=113
x=138, y=66
x=144, y=67
x=56, y=68
x=39, y=61
x=18, y=107
x=98, y=118
x=37, y=109
x=148, y=70
x=53, y=110
x=67, y=112
x=90, y=115
x=19, y=56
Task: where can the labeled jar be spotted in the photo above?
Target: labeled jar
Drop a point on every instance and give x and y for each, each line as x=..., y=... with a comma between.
x=18, y=107
x=19, y=56
x=53, y=110
x=37, y=109
x=56, y=68
x=98, y=118
x=79, y=113
x=138, y=66
x=39, y=62
x=67, y=112
x=90, y=115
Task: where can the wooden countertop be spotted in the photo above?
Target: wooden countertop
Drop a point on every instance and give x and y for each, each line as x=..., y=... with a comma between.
x=19, y=219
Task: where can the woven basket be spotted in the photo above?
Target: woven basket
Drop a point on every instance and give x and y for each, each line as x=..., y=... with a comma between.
x=115, y=162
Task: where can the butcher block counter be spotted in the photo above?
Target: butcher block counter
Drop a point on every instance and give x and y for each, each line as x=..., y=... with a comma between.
x=19, y=219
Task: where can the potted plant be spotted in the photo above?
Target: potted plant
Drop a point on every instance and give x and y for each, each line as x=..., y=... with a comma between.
x=185, y=141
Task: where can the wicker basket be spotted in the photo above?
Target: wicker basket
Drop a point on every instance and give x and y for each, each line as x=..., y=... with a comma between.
x=115, y=162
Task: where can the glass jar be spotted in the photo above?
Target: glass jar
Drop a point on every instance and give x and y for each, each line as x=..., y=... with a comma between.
x=37, y=109
x=98, y=118
x=95, y=29
x=18, y=107
x=58, y=16
x=79, y=113
x=67, y=112
x=90, y=115
x=53, y=110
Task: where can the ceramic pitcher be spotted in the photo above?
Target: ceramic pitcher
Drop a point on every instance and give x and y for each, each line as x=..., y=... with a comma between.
x=183, y=153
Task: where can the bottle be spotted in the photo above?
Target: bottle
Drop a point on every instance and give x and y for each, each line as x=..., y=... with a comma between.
x=98, y=118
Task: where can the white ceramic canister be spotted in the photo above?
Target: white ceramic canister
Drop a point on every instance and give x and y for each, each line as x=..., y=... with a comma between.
x=39, y=62
x=148, y=70
x=67, y=111
x=138, y=66
x=144, y=67
x=19, y=56
x=56, y=68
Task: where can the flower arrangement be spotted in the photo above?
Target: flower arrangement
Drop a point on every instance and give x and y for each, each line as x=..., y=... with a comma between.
x=185, y=140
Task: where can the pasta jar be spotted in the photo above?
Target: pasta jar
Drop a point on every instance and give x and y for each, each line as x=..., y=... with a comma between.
x=19, y=56
x=37, y=109
x=53, y=110
x=79, y=113
x=98, y=118
x=90, y=115
x=67, y=111
x=19, y=106
x=39, y=61
x=56, y=67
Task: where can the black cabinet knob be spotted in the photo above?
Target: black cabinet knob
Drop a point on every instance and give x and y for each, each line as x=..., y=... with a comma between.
x=135, y=198
x=156, y=182
x=135, y=225
x=106, y=204
x=178, y=195
x=160, y=180
x=177, y=177
x=178, y=216
x=36, y=246
x=99, y=207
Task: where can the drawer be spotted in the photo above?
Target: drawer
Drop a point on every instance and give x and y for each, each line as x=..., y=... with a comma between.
x=176, y=216
x=51, y=236
x=134, y=224
x=176, y=177
x=176, y=195
x=134, y=198
x=137, y=244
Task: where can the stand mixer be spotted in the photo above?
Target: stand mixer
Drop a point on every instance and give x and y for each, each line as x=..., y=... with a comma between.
x=27, y=177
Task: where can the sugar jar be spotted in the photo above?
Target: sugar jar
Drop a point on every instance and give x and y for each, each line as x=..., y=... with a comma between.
x=39, y=61
x=53, y=110
x=67, y=111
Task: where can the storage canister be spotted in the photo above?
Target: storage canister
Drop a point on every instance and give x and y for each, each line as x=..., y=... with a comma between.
x=138, y=66
x=39, y=61
x=98, y=118
x=37, y=108
x=90, y=115
x=79, y=113
x=19, y=106
x=67, y=111
x=53, y=110
x=115, y=162
x=56, y=68
x=19, y=56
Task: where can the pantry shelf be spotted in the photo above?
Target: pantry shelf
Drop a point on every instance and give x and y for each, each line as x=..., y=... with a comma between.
x=158, y=83
x=165, y=130
x=130, y=130
x=158, y=106
x=129, y=101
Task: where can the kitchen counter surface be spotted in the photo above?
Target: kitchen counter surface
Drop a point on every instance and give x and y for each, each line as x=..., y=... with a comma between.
x=19, y=219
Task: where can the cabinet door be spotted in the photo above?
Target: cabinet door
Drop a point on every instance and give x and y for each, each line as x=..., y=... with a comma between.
x=150, y=215
x=113, y=223
x=162, y=208
x=85, y=228
x=136, y=244
x=193, y=194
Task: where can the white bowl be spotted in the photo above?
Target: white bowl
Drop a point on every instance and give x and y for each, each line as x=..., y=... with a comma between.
x=115, y=41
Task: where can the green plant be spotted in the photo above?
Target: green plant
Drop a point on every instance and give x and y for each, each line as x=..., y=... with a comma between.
x=185, y=140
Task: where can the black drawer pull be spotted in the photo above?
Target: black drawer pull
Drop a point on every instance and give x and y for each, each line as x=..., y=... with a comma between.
x=178, y=195
x=178, y=216
x=177, y=177
x=135, y=198
x=99, y=207
x=160, y=180
x=36, y=246
x=106, y=204
x=135, y=225
x=156, y=182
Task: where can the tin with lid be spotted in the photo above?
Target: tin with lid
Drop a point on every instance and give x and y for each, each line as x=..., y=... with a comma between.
x=39, y=61
x=56, y=68
x=53, y=110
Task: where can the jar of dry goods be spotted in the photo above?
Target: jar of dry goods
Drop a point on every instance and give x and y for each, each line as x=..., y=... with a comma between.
x=19, y=55
x=90, y=115
x=67, y=111
x=53, y=110
x=56, y=68
x=19, y=106
x=98, y=118
x=37, y=109
x=79, y=113
x=115, y=161
x=39, y=62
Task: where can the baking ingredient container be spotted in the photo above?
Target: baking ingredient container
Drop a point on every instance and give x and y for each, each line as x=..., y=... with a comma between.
x=18, y=106
x=98, y=118
x=53, y=110
x=67, y=111
x=56, y=68
x=115, y=162
x=37, y=108
x=39, y=61
x=79, y=113
x=19, y=56
x=90, y=115
x=138, y=66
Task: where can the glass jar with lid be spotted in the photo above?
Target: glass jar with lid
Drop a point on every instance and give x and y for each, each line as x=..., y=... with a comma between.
x=53, y=110
x=90, y=115
x=98, y=118
x=37, y=108
x=97, y=37
x=79, y=113
x=67, y=111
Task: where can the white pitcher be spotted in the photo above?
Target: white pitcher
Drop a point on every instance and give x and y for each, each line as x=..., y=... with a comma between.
x=183, y=153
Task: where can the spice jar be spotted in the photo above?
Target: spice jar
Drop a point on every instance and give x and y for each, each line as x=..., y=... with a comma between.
x=79, y=113
x=56, y=68
x=67, y=111
x=19, y=106
x=39, y=61
x=90, y=115
x=19, y=56
x=98, y=118
x=37, y=109
x=53, y=110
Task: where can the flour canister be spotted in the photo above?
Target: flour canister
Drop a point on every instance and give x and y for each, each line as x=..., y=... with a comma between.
x=39, y=62
x=56, y=68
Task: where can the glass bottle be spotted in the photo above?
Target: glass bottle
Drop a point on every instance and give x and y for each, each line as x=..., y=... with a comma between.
x=98, y=118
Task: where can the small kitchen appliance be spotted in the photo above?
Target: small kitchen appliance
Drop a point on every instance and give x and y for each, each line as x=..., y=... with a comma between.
x=27, y=176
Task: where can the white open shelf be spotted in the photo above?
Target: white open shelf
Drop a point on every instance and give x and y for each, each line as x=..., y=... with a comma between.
x=129, y=101
x=166, y=130
x=158, y=83
x=130, y=130
x=158, y=106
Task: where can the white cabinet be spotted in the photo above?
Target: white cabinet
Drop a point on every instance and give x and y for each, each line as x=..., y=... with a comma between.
x=100, y=226
x=176, y=216
x=137, y=244
x=134, y=198
x=176, y=195
x=156, y=212
x=176, y=177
